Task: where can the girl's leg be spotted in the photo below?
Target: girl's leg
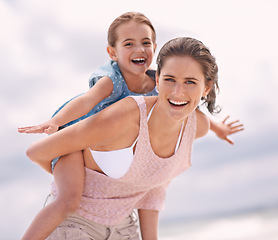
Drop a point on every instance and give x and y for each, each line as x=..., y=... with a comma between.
x=69, y=179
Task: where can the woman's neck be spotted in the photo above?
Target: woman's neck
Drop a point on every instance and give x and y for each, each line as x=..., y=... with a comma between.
x=164, y=132
x=160, y=120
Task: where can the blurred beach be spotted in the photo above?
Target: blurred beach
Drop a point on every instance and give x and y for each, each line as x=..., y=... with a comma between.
x=257, y=225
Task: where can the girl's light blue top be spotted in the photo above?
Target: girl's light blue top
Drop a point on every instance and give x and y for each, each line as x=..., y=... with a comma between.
x=120, y=89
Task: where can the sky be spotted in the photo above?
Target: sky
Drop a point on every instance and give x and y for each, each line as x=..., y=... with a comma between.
x=48, y=50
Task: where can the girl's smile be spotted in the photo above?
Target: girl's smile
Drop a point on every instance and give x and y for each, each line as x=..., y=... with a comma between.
x=139, y=61
x=134, y=48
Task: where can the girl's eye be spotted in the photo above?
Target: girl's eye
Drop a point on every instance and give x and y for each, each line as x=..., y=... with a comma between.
x=128, y=44
x=169, y=79
x=146, y=43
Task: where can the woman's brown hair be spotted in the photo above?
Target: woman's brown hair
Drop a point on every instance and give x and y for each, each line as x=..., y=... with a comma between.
x=185, y=46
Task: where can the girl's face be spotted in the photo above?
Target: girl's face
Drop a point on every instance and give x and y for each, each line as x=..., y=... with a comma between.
x=181, y=86
x=134, y=49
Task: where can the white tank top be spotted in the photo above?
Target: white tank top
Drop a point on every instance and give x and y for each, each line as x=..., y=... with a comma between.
x=116, y=163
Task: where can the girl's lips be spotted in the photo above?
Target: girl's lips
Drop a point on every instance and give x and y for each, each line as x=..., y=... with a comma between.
x=139, y=60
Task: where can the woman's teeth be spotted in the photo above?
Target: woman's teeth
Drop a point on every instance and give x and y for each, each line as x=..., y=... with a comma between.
x=178, y=103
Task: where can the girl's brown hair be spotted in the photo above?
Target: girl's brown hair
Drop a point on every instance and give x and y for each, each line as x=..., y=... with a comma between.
x=185, y=46
x=124, y=18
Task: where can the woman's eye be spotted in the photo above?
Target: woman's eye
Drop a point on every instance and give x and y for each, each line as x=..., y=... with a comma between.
x=190, y=82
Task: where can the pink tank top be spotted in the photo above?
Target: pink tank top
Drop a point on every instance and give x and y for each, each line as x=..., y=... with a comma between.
x=117, y=162
x=108, y=201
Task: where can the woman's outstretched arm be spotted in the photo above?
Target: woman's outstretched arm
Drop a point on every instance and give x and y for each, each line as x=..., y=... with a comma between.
x=114, y=127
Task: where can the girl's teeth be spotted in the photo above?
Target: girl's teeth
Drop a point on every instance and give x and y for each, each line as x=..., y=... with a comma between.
x=138, y=60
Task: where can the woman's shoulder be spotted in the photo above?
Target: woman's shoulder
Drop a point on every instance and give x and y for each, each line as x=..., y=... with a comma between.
x=127, y=109
x=122, y=108
x=133, y=102
x=203, y=124
x=150, y=101
x=114, y=124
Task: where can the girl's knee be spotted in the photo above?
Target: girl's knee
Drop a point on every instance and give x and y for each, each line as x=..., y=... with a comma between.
x=71, y=206
x=67, y=205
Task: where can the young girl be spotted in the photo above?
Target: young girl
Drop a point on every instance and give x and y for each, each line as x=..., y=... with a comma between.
x=131, y=46
x=135, y=147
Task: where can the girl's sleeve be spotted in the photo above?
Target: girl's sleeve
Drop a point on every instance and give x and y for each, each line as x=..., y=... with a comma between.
x=111, y=70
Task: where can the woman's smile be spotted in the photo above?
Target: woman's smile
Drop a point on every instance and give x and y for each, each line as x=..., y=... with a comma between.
x=181, y=85
x=177, y=102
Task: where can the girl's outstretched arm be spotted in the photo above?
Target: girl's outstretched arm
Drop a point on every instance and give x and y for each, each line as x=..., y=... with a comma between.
x=76, y=108
x=110, y=127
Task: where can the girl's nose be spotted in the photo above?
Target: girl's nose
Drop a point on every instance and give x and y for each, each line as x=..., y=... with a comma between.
x=139, y=48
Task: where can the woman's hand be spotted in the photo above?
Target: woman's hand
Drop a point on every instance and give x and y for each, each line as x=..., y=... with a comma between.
x=224, y=129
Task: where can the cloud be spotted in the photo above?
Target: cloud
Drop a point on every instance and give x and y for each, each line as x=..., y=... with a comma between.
x=50, y=48
x=225, y=180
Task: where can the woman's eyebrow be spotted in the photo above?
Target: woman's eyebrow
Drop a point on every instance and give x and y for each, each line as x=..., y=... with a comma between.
x=186, y=78
x=167, y=75
x=191, y=78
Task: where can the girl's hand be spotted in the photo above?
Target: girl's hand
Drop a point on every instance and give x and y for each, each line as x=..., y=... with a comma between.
x=46, y=127
x=224, y=129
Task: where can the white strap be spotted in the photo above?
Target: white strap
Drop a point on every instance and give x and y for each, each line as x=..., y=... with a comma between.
x=150, y=113
x=179, y=139
x=134, y=143
x=180, y=135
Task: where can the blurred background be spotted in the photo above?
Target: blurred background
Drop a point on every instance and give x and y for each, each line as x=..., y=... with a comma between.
x=48, y=50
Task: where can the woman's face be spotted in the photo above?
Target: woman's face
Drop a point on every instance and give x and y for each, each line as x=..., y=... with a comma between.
x=181, y=86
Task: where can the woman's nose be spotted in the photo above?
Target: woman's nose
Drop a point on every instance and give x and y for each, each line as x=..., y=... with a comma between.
x=178, y=90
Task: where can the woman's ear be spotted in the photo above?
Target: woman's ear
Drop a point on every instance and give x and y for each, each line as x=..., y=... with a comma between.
x=111, y=52
x=207, y=89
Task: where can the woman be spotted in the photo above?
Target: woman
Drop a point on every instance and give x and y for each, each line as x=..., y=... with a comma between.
x=135, y=147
